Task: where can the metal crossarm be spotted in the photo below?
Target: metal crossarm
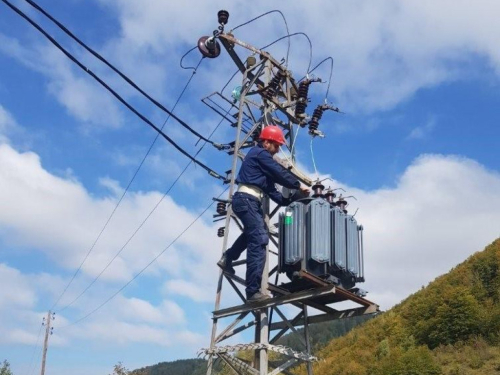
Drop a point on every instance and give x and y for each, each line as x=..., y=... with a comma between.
x=292, y=297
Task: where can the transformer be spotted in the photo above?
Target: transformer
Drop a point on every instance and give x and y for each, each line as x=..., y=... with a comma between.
x=319, y=237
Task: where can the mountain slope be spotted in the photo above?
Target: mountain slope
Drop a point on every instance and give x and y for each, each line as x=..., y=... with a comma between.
x=450, y=327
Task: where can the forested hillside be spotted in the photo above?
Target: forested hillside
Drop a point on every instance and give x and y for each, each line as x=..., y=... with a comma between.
x=180, y=367
x=451, y=327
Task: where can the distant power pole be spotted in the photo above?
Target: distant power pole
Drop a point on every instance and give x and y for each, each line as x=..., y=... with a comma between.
x=48, y=331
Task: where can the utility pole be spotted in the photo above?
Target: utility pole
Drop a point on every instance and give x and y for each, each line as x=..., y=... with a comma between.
x=267, y=79
x=48, y=331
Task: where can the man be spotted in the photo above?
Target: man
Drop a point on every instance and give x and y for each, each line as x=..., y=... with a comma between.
x=257, y=176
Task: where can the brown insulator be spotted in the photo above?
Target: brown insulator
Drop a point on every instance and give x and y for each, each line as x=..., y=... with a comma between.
x=221, y=208
x=221, y=231
x=300, y=107
x=341, y=203
x=317, y=190
x=273, y=86
x=314, y=123
x=251, y=61
x=329, y=196
x=209, y=47
x=223, y=16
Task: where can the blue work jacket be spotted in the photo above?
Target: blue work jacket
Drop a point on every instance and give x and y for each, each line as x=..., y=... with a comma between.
x=261, y=170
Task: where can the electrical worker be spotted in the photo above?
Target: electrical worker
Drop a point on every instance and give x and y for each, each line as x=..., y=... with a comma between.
x=257, y=176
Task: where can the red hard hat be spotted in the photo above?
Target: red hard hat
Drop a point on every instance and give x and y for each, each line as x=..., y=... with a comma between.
x=273, y=133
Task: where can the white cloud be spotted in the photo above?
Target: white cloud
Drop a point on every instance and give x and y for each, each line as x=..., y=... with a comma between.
x=82, y=97
x=420, y=132
x=384, y=51
x=41, y=203
x=443, y=209
x=7, y=124
x=15, y=291
x=188, y=289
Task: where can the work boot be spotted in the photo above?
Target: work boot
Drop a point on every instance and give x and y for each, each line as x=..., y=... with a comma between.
x=258, y=297
x=226, y=264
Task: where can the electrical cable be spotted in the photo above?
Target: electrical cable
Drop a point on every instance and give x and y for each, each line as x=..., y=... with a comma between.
x=289, y=36
x=182, y=58
x=107, y=63
x=295, y=140
x=331, y=72
x=228, y=82
x=114, y=93
x=312, y=157
x=31, y=365
x=148, y=265
x=265, y=14
x=38, y=357
x=154, y=208
x=121, y=198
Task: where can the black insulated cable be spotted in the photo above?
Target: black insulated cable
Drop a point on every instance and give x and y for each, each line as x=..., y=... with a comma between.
x=142, y=223
x=120, y=201
x=210, y=171
x=294, y=34
x=331, y=73
x=265, y=14
x=112, y=67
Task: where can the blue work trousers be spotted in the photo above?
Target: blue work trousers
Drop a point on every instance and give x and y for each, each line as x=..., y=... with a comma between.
x=254, y=238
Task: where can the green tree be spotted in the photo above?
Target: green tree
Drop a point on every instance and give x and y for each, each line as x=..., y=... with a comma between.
x=5, y=369
x=119, y=369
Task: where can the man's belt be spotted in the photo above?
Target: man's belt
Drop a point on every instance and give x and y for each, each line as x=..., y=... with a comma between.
x=254, y=191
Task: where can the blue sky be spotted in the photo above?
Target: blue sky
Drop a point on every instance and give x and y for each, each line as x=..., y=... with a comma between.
x=417, y=145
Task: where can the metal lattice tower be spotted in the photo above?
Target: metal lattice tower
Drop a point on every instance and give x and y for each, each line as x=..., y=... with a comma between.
x=267, y=87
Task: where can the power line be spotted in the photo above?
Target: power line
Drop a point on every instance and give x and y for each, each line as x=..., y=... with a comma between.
x=123, y=195
x=147, y=266
x=331, y=72
x=147, y=216
x=265, y=14
x=114, y=93
x=183, y=56
x=294, y=34
x=31, y=365
x=117, y=71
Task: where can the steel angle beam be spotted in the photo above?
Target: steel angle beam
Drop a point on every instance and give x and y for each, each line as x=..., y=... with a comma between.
x=230, y=40
x=290, y=326
x=238, y=365
x=233, y=332
x=284, y=330
x=294, y=170
x=326, y=309
x=241, y=66
x=292, y=297
x=328, y=317
x=284, y=366
x=231, y=326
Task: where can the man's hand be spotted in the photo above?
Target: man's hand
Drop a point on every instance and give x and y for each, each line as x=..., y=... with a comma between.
x=304, y=191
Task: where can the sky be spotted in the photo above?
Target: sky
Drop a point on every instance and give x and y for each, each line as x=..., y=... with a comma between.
x=417, y=144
